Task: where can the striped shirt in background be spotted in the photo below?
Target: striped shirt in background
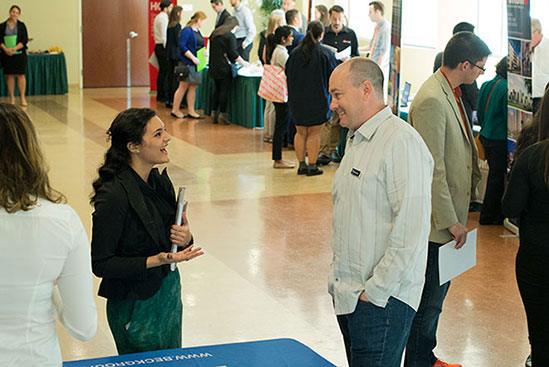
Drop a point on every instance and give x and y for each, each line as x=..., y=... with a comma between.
x=382, y=210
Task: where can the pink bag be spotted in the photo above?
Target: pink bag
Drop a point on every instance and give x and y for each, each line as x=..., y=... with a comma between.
x=273, y=86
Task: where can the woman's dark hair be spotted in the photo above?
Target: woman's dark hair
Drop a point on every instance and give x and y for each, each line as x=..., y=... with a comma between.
x=175, y=16
x=535, y=132
x=15, y=7
x=314, y=31
x=543, y=130
x=23, y=170
x=274, y=39
x=128, y=127
x=501, y=67
x=228, y=25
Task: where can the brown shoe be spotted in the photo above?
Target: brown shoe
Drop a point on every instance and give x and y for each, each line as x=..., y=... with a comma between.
x=283, y=164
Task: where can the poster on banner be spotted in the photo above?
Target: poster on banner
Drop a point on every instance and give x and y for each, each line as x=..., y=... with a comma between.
x=154, y=10
x=519, y=72
x=394, y=66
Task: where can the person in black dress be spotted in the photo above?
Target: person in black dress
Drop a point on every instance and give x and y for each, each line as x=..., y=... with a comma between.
x=223, y=53
x=132, y=236
x=14, y=33
x=308, y=70
x=527, y=198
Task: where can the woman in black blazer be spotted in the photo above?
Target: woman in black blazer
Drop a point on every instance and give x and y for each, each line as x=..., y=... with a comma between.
x=132, y=235
x=14, y=59
x=174, y=28
x=527, y=198
x=223, y=52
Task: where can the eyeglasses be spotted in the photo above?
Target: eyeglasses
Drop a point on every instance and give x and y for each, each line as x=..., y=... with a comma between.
x=475, y=65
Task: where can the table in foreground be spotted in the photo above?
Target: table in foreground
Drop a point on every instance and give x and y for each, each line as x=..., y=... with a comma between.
x=265, y=353
x=46, y=74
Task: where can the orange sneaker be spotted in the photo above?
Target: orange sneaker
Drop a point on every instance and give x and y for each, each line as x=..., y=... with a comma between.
x=439, y=363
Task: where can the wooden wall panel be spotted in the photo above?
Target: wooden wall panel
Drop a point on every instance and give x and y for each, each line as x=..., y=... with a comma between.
x=105, y=28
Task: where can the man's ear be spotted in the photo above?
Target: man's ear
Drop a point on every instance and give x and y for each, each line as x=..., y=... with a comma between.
x=366, y=88
x=133, y=148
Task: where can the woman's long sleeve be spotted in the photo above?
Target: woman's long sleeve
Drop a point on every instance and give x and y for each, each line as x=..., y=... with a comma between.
x=73, y=295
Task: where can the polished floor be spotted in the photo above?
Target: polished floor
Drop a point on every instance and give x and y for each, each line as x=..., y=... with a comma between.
x=266, y=236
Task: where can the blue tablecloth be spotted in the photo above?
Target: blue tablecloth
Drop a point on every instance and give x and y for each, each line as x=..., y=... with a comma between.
x=46, y=74
x=266, y=353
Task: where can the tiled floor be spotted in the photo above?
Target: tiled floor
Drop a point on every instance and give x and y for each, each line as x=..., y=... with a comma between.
x=266, y=234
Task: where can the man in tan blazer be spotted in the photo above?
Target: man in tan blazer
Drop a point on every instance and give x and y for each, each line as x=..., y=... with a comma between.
x=439, y=116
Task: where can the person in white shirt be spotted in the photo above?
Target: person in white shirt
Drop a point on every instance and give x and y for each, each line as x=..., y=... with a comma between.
x=160, y=27
x=382, y=206
x=42, y=242
x=540, y=63
x=246, y=31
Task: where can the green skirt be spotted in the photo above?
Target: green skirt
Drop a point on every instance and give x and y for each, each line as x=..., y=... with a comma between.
x=151, y=324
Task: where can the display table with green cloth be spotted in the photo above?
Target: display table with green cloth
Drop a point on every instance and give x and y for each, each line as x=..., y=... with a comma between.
x=46, y=74
x=245, y=107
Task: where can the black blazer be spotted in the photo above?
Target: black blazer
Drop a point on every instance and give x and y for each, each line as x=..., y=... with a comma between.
x=223, y=49
x=22, y=35
x=224, y=15
x=124, y=235
x=171, y=42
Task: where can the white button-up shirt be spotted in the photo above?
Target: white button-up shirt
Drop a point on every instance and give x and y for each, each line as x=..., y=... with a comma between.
x=160, y=27
x=540, y=68
x=381, y=221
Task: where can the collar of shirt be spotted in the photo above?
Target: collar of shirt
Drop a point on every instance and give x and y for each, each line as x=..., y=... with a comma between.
x=239, y=8
x=368, y=129
x=343, y=30
x=456, y=91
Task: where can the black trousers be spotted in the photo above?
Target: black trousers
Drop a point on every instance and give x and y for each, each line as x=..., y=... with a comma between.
x=243, y=52
x=221, y=95
x=496, y=155
x=281, y=126
x=534, y=292
x=162, y=81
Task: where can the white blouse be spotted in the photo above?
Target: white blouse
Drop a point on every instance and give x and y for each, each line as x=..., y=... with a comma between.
x=37, y=247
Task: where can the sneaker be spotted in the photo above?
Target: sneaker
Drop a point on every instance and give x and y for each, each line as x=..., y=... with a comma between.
x=283, y=164
x=439, y=363
x=314, y=171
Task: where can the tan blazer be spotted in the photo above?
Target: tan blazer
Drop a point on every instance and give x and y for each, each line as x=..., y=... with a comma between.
x=434, y=113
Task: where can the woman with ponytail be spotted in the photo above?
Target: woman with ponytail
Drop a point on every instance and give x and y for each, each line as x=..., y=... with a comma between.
x=132, y=235
x=276, y=54
x=308, y=70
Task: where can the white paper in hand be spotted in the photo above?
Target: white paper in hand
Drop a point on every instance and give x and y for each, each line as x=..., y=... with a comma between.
x=453, y=262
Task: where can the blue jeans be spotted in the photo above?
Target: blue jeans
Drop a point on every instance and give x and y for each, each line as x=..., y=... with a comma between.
x=376, y=336
x=423, y=336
